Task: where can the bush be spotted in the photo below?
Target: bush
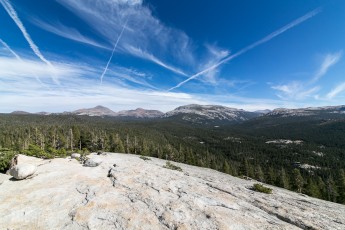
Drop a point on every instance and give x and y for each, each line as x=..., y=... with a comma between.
x=145, y=158
x=169, y=165
x=36, y=151
x=261, y=188
x=6, y=156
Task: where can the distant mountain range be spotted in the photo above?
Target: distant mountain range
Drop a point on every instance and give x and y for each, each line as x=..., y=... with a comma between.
x=204, y=113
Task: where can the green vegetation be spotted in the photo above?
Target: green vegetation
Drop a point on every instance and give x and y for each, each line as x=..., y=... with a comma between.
x=5, y=159
x=171, y=166
x=238, y=150
x=261, y=188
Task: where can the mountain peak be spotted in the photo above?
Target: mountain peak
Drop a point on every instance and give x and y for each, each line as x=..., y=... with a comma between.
x=141, y=113
x=201, y=113
x=20, y=112
x=309, y=111
x=96, y=111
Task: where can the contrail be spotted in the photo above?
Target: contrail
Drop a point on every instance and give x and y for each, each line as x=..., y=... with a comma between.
x=112, y=53
x=252, y=46
x=13, y=14
x=18, y=58
x=9, y=49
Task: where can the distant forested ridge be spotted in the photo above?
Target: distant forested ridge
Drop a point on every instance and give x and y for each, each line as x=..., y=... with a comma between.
x=302, y=154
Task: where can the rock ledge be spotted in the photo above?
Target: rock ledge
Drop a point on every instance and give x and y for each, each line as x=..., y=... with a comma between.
x=126, y=192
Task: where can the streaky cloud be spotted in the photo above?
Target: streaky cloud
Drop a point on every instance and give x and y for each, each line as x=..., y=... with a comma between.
x=66, y=32
x=18, y=58
x=329, y=61
x=13, y=14
x=334, y=92
x=252, y=46
x=113, y=51
x=148, y=56
x=147, y=36
x=295, y=90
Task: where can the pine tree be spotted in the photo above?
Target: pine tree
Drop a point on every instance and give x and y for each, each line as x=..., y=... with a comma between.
x=331, y=189
x=341, y=186
x=284, y=179
x=259, y=175
x=312, y=189
x=297, y=180
x=226, y=167
x=244, y=170
x=270, y=176
x=322, y=188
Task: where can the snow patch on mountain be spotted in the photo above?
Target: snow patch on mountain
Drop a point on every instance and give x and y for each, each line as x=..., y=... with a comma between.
x=310, y=111
x=209, y=112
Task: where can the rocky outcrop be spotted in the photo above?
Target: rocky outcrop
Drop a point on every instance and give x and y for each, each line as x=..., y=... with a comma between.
x=93, y=162
x=75, y=155
x=22, y=171
x=126, y=192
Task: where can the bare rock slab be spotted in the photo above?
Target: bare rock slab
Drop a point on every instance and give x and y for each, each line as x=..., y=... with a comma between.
x=139, y=194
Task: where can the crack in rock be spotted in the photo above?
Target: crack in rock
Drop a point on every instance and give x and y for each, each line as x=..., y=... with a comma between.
x=286, y=219
x=88, y=194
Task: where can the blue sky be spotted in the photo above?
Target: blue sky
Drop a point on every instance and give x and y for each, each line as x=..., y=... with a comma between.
x=62, y=55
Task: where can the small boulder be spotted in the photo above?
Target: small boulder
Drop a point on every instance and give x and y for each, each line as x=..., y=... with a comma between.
x=22, y=171
x=92, y=162
x=75, y=155
x=101, y=153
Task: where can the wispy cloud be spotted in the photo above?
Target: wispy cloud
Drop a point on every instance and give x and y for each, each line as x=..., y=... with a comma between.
x=13, y=14
x=298, y=90
x=66, y=32
x=19, y=91
x=337, y=90
x=252, y=46
x=145, y=55
x=214, y=55
x=20, y=69
x=329, y=61
x=8, y=48
x=146, y=36
x=295, y=90
x=123, y=75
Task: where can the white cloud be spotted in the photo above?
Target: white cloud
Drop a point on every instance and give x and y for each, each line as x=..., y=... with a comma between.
x=144, y=32
x=66, y=32
x=18, y=70
x=213, y=56
x=295, y=90
x=121, y=74
x=145, y=55
x=337, y=90
x=79, y=89
x=329, y=61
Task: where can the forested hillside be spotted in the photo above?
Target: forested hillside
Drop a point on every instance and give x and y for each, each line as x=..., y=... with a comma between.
x=304, y=155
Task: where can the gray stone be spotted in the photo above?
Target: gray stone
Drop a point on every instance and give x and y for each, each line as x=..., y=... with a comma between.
x=75, y=155
x=92, y=162
x=22, y=171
